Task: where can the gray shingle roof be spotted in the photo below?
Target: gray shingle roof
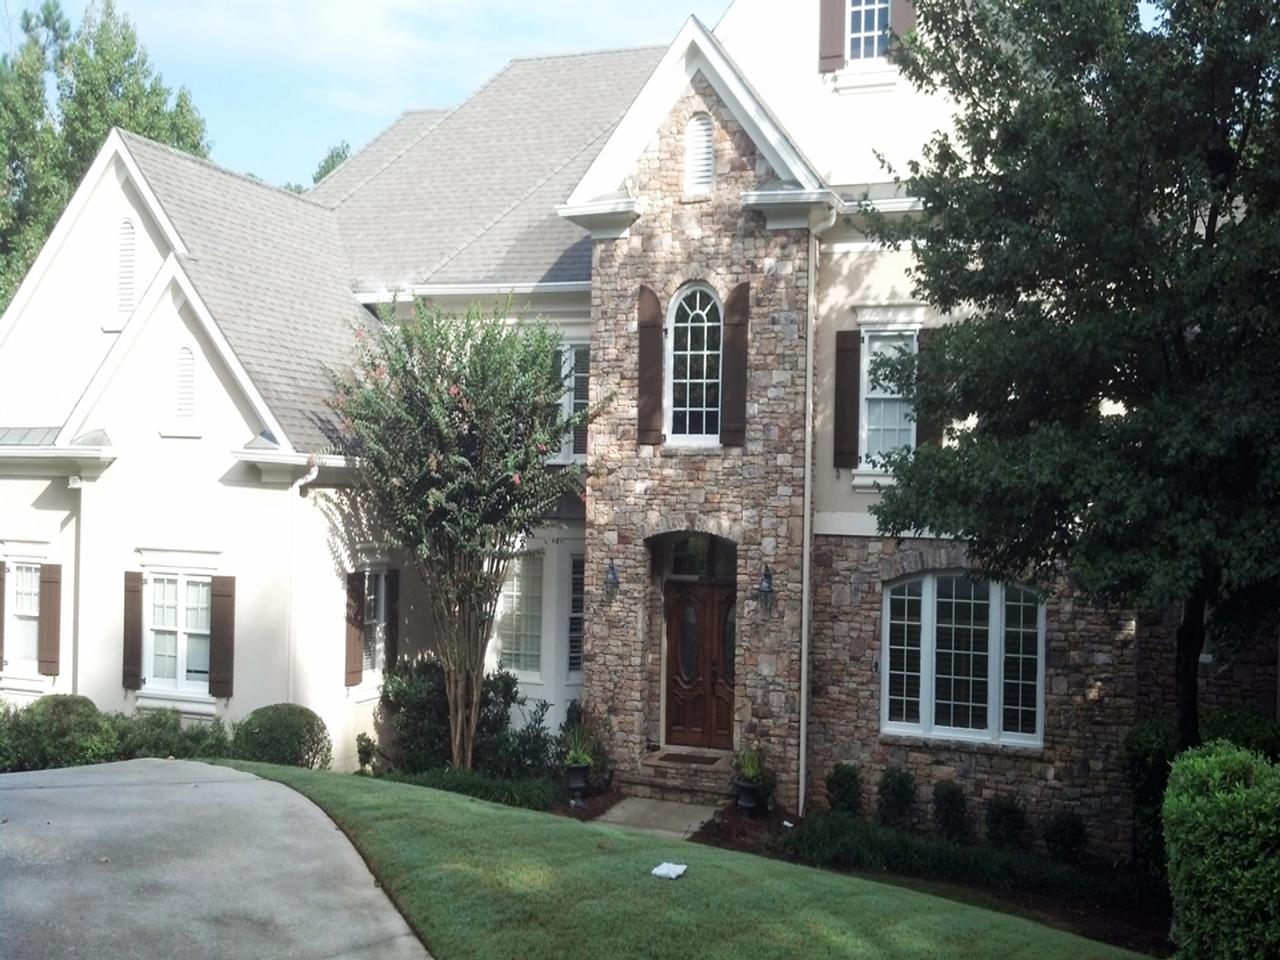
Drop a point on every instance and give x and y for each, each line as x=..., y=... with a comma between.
x=376, y=154
x=270, y=267
x=27, y=436
x=489, y=175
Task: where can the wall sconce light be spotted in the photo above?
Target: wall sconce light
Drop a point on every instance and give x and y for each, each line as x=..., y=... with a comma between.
x=764, y=592
x=611, y=582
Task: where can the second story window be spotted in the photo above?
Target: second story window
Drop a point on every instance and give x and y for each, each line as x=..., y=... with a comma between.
x=887, y=420
x=576, y=362
x=694, y=365
x=868, y=29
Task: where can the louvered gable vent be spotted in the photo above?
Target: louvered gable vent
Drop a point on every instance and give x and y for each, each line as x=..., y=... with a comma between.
x=700, y=155
x=125, y=268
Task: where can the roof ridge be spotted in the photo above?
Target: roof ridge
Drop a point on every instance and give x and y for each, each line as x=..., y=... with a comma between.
x=501, y=215
x=590, y=53
x=418, y=139
x=205, y=162
x=442, y=111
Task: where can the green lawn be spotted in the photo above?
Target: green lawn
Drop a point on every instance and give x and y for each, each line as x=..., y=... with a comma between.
x=479, y=880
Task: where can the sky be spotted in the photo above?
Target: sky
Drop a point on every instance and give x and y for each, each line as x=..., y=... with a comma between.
x=280, y=81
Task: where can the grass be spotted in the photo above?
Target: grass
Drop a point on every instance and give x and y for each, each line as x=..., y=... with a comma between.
x=479, y=880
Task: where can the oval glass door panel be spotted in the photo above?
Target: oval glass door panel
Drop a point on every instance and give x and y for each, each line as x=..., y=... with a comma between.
x=689, y=640
x=730, y=639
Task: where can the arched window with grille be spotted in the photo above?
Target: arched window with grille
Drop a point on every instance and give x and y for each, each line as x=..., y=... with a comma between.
x=699, y=155
x=693, y=367
x=125, y=269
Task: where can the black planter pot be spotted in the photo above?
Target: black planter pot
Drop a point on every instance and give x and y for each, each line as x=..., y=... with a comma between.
x=576, y=775
x=753, y=798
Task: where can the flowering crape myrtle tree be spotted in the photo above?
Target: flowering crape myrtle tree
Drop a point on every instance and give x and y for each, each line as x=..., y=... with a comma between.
x=1103, y=223
x=454, y=420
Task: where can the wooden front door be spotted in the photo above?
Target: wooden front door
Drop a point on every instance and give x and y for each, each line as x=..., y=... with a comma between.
x=701, y=628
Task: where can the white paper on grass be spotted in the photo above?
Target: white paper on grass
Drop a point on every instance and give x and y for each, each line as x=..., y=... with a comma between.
x=670, y=871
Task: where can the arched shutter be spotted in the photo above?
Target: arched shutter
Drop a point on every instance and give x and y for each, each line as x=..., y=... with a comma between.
x=132, y=630
x=652, y=360
x=733, y=367
x=833, y=35
x=49, y=634
x=848, y=401
x=354, y=671
x=222, y=636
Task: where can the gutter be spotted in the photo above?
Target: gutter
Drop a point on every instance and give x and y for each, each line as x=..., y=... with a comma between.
x=384, y=295
x=806, y=558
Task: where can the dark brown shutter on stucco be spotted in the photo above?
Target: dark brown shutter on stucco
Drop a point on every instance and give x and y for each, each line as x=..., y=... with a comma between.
x=927, y=431
x=902, y=17
x=393, y=617
x=652, y=361
x=833, y=34
x=132, y=630
x=733, y=367
x=848, y=401
x=1, y=614
x=222, y=636
x=355, y=629
x=49, y=631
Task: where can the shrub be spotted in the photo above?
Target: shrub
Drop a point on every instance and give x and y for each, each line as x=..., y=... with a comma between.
x=1006, y=824
x=949, y=811
x=61, y=730
x=364, y=750
x=1146, y=753
x=160, y=733
x=1222, y=833
x=414, y=703
x=1066, y=838
x=587, y=733
x=531, y=793
x=284, y=733
x=840, y=840
x=896, y=797
x=8, y=746
x=1253, y=731
x=844, y=788
x=530, y=751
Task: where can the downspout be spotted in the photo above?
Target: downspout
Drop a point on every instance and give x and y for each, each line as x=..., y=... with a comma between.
x=295, y=494
x=806, y=558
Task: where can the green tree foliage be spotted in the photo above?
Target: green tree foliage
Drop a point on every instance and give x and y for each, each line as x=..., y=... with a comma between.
x=454, y=419
x=336, y=156
x=61, y=92
x=1103, y=221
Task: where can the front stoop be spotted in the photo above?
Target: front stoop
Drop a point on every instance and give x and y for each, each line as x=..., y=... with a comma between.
x=663, y=776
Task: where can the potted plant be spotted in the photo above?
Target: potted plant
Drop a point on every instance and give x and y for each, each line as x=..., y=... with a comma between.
x=752, y=781
x=577, y=763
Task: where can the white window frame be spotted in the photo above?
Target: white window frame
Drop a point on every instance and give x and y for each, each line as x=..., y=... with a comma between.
x=377, y=577
x=569, y=355
x=865, y=473
x=864, y=34
x=669, y=361
x=993, y=734
x=20, y=668
x=515, y=568
x=179, y=686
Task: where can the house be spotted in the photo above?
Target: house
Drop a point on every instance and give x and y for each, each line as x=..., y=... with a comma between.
x=175, y=528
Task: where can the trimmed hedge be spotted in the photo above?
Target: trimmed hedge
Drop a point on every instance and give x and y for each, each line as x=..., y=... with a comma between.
x=949, y=811
x=283, y=733
x=841, y=841
x=531, y=793
x=896, y=796
x=1007, y=824
x=160, y=733
x=1222, y=834
x=844, y=788
x=60, y=730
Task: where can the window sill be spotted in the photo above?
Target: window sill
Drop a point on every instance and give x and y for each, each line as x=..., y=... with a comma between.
x=24, y=681
x=175, y=432
x=941, y=741
x=690, y=198
x=528, y=677
x=187, y=704
x=867, y=76
x=685, y=448
x=367, y=691
x=871, y=479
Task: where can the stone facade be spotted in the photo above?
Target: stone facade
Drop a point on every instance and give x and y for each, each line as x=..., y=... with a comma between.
x=751, y=495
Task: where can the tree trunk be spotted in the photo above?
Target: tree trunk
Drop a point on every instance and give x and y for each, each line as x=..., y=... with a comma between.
x=1190, y=644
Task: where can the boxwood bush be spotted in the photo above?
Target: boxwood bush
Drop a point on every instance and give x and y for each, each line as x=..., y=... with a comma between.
x=896, y=796
x=283, y=733
x=160, y=733
x=949, y=811
x=1222, y=834
x=1007, y=824
x=844, y=788
x=60, y=730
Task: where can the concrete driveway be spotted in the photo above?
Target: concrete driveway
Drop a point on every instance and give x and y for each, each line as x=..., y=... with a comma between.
x=169, y=859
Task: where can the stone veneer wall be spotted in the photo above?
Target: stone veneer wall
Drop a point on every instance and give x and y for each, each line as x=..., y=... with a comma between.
x=1090, y=693
x=751, y=495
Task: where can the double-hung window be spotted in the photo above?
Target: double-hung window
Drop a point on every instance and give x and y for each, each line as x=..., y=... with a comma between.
x=178, y=610
x=887, y=422
x=868, y=29
x=693, y=366
x=963, y=659
x=577, y=610
x=577, y=372
x=22, y=611
x=519, y=627
x=374, y=620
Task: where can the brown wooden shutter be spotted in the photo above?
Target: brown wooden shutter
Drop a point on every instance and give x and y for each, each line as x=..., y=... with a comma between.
x=833, y=35
x=392, y=636
x=50, y=628
x=652, y=362
x=733, y=367
x=355, y=629
x=132, y=630
x=848, y=400
x=902, y=17
x=927, y=431
x=1, y=614
x=222, y=636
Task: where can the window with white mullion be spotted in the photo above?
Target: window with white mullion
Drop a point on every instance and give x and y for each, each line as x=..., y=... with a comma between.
x=887, y=423
x=868, y=29
x=22, y=632
x=178, y=631
x=374, y=620
x=694, y=355
x=519, y=625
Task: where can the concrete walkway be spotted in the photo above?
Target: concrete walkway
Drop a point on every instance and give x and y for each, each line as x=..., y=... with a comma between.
x=662, y=818
x=167, y=859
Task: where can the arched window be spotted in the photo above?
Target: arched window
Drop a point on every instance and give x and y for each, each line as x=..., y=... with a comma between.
x=694, y=367
x=699, y=155
x=125, y=268
x=962, y=659
x=185, y=386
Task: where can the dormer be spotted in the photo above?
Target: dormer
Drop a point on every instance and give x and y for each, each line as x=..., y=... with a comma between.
x=855, y=35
